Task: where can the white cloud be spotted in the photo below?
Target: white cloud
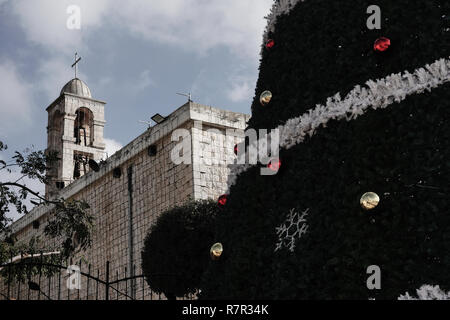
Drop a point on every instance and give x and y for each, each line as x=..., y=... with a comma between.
x=45, y=21
x=196, y=25
x=15, y=99
x=241, y=84
x=145, y=81
x=57, y=73
x=241, y=90
x=112, y=146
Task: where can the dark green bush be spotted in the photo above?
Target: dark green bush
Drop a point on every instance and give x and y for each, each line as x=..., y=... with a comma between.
x=176, y=249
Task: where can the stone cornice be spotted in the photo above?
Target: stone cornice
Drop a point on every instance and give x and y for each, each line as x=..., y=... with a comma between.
x=75, y=96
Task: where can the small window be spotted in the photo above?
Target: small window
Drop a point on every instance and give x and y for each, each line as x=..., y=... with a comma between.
x=152, y=150
x=117, y=172
x=60, y=185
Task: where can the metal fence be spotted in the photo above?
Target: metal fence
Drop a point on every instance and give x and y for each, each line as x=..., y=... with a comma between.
x=94, y=284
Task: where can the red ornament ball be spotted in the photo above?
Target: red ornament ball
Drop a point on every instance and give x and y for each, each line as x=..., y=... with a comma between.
x=382, y=44
x=222, y=200
x=270, y=44
x=274, y=165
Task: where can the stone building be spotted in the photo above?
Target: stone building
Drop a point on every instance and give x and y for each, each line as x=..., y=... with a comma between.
x=129, y=190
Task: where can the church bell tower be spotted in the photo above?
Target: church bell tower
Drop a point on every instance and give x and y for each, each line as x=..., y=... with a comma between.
x=75, y=131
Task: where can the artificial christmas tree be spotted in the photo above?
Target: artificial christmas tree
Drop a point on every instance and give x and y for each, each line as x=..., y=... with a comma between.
x=364, y=120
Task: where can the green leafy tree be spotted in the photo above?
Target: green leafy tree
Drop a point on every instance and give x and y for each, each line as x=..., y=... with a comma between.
x=69, y=221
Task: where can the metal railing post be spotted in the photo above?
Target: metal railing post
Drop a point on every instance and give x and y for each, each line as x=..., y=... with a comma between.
x=40, y=275
x=8, y=296
x=107, y=281
x=87, y=289
x=59, y=278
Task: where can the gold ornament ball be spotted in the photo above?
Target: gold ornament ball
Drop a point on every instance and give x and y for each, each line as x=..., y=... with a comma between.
x=265, y=98
x=369, y=200
x=216, y=251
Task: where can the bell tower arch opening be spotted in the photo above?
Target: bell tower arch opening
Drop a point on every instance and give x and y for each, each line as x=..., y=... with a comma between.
x=81, y=164
x=84, y=127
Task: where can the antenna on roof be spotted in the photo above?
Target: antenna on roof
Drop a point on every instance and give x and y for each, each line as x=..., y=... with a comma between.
x=146, y=122
x=188, y=95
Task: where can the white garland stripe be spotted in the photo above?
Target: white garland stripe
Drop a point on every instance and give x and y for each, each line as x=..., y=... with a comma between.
x=427, y=292
x=377, y=95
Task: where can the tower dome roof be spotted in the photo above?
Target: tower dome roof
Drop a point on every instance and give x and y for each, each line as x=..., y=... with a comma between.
x=77, y=87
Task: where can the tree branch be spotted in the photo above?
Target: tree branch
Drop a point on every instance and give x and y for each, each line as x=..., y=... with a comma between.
x=20, y=178
x=18, y=185
x=7, y=165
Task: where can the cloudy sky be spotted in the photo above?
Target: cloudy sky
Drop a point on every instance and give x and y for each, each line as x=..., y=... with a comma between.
x=135, y=56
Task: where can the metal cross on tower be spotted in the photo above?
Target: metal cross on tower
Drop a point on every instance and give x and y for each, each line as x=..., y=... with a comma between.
x=77, y=59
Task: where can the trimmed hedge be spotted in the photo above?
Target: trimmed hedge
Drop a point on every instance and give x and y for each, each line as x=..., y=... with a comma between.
x=400, y=152
x=176, y=249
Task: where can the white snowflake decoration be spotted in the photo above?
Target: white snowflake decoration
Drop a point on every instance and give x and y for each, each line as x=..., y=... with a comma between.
x=291, y=230
x=427, y=292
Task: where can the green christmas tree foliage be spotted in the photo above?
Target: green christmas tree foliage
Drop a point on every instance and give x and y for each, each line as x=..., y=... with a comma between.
x=302, y=234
